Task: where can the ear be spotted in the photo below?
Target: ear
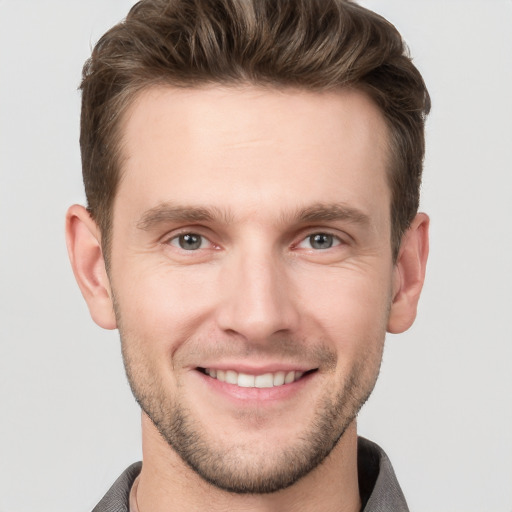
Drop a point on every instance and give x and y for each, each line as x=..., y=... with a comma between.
x=84, y=248
x=409, y=274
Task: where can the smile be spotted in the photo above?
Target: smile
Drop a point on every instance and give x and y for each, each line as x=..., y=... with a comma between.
x=244, y=380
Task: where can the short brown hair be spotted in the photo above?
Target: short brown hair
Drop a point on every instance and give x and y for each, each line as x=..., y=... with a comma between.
x=308, y=44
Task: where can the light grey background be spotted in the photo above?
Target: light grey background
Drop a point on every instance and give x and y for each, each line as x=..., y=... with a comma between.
x=442, y=408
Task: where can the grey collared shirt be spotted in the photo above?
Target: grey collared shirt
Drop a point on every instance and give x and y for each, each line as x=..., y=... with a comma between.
x=379, y=488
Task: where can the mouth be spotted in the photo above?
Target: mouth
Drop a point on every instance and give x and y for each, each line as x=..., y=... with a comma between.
x=264, y=380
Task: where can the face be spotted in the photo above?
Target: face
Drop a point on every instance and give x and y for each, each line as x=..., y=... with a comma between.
x=252, y=274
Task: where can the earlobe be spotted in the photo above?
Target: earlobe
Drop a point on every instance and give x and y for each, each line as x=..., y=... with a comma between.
x=84, y=249
x=409, y=275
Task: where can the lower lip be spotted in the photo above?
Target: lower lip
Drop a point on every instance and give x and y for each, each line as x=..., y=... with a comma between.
x=259, y=395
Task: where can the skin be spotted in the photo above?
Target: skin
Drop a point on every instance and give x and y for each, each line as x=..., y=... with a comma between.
x=254, y=173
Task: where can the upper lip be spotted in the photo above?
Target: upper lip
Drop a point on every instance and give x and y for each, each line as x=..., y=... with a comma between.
x=260, y=369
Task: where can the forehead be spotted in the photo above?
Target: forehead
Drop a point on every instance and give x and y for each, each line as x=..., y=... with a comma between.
x=245, y=147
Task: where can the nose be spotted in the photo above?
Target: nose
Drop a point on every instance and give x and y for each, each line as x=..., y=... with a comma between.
x=257, y=298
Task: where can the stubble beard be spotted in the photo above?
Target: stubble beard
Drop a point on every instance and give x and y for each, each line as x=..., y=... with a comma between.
x=229, y=467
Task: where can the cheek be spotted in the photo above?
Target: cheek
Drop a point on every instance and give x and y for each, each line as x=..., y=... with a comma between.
x=347, y=306
x=163, y=303
x=349, y=291
x=350, y=308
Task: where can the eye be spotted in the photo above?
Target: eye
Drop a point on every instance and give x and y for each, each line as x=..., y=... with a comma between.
x=319, y=241
x=189, y=241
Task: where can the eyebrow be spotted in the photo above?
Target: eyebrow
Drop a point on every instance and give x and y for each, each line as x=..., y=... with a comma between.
x=321, y=212
x=166, y=212
x=318, y=212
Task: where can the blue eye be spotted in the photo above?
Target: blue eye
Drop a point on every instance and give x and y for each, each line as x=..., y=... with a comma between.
x=189, y=241
x=320, y=241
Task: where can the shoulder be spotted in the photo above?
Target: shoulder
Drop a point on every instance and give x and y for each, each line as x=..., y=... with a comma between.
x=117, y=497
x=379, y=488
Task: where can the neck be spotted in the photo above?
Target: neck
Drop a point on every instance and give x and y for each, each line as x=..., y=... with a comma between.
x=167, y=483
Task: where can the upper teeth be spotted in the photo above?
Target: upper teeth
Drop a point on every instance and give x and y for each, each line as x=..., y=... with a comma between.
x=267, y=380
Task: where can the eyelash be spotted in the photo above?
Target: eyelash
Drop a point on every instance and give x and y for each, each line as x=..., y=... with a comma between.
x=175, y=241
x=334, y=241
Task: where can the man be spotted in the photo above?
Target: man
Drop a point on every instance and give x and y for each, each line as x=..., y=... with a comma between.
x=252, y=172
